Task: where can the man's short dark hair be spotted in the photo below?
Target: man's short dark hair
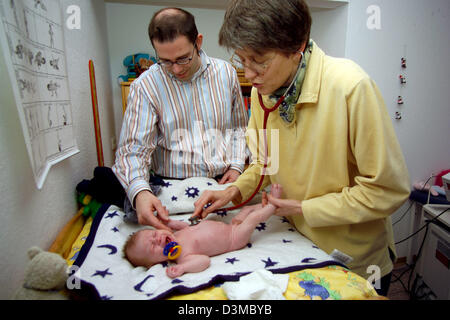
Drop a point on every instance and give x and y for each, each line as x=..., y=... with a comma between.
x=169, y=23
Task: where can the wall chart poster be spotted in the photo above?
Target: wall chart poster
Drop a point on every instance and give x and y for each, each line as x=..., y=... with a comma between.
x=32, y=39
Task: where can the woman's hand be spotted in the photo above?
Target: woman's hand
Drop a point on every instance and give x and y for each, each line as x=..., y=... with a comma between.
x=216, y=199
x=285, y=207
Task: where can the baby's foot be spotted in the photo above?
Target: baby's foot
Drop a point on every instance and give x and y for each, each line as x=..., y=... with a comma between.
x=276, y=190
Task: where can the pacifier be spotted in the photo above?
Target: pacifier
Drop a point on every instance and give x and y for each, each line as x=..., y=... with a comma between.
x=172, y=250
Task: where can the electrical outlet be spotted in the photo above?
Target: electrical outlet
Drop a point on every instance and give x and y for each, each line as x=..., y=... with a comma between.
x=113, y=143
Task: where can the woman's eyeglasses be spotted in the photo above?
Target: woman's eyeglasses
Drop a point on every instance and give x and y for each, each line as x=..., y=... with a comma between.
x=259, y=68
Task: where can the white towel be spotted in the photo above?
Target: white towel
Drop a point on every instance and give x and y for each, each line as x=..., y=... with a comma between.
x=258, y=285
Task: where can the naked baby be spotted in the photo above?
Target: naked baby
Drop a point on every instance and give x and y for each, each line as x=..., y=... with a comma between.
x=197, y=243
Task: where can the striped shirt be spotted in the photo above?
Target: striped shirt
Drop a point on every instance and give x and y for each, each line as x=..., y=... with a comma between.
x=182, y=129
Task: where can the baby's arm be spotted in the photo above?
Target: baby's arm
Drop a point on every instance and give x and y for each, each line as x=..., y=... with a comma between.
x=177, y=225
x=190, y=263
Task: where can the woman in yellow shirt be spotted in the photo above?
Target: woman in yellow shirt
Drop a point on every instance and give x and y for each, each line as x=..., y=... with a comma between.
x=331, y=143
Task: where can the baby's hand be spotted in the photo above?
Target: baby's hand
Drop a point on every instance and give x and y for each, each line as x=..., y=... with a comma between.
x=174, y=271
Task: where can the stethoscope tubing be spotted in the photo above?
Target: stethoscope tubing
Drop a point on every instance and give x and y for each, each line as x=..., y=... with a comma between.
x=267, y=112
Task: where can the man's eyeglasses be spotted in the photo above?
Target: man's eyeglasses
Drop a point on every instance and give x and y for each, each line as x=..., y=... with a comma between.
x=181, y=62
x=259, y=68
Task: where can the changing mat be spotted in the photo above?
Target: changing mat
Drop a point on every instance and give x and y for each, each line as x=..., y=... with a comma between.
x=275, y=246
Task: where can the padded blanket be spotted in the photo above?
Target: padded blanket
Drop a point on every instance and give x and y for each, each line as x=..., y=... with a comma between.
x=275, y=245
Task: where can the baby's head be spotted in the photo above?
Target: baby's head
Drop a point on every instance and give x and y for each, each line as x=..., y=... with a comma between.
x=145, y=247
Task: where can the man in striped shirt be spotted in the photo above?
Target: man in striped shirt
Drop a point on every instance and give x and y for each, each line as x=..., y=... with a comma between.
x=185, y=117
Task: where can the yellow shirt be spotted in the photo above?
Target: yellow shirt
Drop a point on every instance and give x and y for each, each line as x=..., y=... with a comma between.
x=340, y=157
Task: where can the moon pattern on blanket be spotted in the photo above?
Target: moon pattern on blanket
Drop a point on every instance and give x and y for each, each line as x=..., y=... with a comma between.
x=110, y=247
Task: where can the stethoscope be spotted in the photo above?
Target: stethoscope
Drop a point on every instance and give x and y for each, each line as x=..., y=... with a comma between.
x=267, y=112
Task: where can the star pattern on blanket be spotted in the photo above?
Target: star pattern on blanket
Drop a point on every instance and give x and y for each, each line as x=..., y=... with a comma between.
x=231, y=260
x=111, y=215
x=101, y=273
x=287, y=241
x=308, y=260
x=174, y=198
x=284, y=220
x=222, y=213
x=165, y=184
x=261, y=227
x=192, y=192
x=209, y=204
x=269, y=263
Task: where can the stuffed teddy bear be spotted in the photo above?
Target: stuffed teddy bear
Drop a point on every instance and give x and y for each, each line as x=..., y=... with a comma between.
x=45, y=277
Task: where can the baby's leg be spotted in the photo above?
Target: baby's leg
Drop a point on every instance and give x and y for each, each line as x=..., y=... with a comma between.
x=241, y=233
x=244, y=213
x=275, y=191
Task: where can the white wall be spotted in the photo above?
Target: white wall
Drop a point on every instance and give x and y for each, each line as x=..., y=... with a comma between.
x=329, y=29
x=34, y=217
x=417, y=30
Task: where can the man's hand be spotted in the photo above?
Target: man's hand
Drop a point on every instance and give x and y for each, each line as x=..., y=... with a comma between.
x=229, y=176
x=146, y=205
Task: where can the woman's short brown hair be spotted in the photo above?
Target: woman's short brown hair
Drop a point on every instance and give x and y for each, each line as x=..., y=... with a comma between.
x=263, y=25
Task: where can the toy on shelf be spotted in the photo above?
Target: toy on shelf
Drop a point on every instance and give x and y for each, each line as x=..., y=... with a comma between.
x=136, y=64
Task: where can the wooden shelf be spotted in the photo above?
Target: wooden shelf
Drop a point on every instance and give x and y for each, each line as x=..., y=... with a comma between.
x=125, y=91
x=246, y=88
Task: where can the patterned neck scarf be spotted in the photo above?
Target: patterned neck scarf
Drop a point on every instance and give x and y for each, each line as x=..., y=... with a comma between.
x=287, y=107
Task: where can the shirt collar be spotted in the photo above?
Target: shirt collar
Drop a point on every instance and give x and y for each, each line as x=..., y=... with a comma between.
x=313, y=77
x=204, y=64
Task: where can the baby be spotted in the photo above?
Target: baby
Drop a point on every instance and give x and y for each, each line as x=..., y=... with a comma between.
x=198, y=243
